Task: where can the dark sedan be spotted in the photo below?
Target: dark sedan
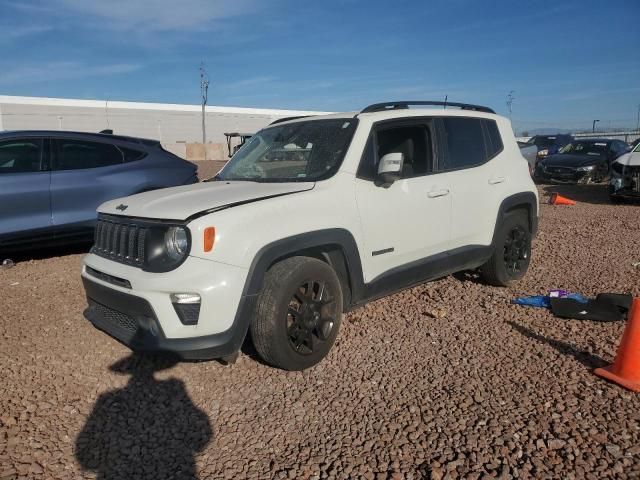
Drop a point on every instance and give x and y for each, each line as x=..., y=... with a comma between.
x=549, y=144
x=582, y=161
x=51, y=182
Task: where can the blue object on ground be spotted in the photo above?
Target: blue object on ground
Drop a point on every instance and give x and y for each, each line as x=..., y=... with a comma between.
x=544, y=301
x=538, y=301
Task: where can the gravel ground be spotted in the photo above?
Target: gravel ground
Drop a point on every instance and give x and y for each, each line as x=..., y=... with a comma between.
x=444, y=380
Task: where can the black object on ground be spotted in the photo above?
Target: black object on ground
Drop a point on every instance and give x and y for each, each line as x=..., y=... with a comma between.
x=606, y=307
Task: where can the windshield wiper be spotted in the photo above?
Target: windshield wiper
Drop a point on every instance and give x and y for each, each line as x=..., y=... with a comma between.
x=215, y=178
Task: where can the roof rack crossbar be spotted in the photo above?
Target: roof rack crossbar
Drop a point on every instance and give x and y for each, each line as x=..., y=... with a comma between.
x=381, y=107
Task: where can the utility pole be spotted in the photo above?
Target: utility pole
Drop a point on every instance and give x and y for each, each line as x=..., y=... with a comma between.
x=204, y=92
x=510, y=99
x=593, y=127
x=638, y=122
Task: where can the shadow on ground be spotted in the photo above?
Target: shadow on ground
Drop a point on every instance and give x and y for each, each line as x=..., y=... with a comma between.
x=597, y=194
x=46, y=252
x=150, y=429
x=585, y=358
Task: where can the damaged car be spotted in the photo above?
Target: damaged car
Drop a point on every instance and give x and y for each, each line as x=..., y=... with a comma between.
x=625, y=177
x=581, y=161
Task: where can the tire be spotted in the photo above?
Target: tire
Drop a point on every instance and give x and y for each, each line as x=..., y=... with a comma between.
x=298, y=313
x=512, y=252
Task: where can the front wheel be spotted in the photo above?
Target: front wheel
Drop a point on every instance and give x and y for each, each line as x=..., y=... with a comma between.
x=512, y=252
x=298, y=313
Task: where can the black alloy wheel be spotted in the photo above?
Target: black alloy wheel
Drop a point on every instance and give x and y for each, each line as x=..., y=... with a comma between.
x=516, y=250
x=311, y=316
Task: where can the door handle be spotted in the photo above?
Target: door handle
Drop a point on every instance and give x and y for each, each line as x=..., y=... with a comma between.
x=438, y=193
x=496, y=180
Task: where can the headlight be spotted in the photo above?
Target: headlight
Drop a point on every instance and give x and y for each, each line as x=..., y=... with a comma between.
x=586, y=169
x=167, y=247
x=176, y=242
x=543, y=152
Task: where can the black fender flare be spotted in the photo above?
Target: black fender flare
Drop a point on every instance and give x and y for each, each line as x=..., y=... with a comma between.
x=527, y=200
x=334, y=238
x=339, y=238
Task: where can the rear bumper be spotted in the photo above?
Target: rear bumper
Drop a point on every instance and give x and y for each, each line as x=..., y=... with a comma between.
x=132, y=321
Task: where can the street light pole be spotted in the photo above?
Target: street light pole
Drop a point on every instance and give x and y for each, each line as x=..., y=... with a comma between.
x=638, y=122
x=510, y=99
x=593, y=127
x=204, y=92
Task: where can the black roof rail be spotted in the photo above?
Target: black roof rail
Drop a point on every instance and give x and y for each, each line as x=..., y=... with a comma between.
x=286, y=119
x=381, y=107
x=106, y=131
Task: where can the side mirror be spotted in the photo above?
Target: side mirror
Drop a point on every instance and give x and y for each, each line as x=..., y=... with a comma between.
x=390, y=168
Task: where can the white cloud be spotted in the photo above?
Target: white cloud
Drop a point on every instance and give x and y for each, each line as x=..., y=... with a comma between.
x=15, y=32
x=52, y=71
x=159, y=15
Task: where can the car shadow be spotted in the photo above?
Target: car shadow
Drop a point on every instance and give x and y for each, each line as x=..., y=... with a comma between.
x=42, y=253
x=148, y=429
x=597, y=194
x=585, y=358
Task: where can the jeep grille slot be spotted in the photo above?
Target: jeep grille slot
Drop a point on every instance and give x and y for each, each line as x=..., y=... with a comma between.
x=120, y=241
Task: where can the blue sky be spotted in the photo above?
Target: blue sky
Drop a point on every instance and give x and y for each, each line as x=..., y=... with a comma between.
x=568, y=61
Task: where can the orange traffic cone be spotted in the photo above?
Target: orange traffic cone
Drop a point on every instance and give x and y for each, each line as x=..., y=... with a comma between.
x=625, y=370
x=560, y=200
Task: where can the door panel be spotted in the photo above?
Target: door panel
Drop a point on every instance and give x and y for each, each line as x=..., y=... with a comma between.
x=470, y=152
x=82, y=179
x=25, y=208
x=475, y=197
x=406, y=222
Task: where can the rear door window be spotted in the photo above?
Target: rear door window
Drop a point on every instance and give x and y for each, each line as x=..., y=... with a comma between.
x=461, y=143
x=21, y=155
x=80, y=154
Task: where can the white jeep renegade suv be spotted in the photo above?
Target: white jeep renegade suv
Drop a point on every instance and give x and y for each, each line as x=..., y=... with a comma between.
x=311, y=218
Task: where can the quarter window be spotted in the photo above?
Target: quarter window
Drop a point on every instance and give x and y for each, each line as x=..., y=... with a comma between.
x=76, y=154
x=462, y=143
x=494, y=141
x=20, y=156
x=131, y=155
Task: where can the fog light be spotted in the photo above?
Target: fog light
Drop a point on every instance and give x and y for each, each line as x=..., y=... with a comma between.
x=187, y=307
x=185, y=298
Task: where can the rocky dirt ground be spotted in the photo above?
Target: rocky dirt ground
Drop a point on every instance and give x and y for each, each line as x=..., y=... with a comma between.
x=444, y=380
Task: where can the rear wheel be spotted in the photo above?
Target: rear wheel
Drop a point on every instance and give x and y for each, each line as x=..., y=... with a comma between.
x=298, y=313
x=512, y=252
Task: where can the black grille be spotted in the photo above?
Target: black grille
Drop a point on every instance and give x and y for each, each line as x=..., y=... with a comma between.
x=633, y=173
x=120, y=241
x=560, y=170
x=120, y=325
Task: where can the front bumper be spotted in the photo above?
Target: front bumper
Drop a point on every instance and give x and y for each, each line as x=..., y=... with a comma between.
x=570, y=177
x=626, y=185
x=139, y=313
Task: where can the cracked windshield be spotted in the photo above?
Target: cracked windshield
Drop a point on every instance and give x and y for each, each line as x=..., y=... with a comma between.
x=300, y=151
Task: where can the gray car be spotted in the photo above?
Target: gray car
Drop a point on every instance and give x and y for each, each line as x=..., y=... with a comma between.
x=51, y=182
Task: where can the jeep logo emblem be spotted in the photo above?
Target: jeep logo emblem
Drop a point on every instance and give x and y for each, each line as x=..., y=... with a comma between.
x=122, y=207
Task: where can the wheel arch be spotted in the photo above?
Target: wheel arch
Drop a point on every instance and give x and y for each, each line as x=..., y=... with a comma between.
x=526, y=201
x=335, y=246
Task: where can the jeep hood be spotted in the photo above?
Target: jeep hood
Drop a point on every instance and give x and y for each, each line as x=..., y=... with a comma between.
x=630, y=159
x=180, y=203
